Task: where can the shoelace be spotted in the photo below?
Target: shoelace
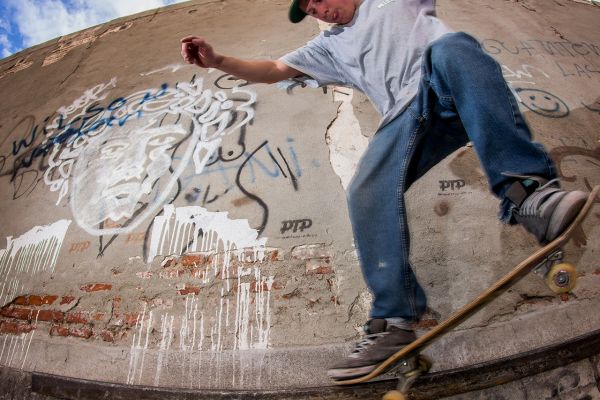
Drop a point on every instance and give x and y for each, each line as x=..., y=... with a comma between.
x=530, y=206
x=365, y=342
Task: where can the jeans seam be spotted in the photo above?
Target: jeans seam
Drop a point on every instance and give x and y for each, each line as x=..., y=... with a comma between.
x=405, y=160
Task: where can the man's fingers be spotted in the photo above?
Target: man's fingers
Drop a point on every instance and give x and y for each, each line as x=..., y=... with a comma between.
x=188, y=39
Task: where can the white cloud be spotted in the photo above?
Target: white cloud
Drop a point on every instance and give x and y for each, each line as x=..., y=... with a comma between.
x=42, y=20
x=5, y=46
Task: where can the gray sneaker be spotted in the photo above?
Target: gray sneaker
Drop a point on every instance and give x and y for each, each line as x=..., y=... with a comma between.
x=379, y=343
x=543, y=208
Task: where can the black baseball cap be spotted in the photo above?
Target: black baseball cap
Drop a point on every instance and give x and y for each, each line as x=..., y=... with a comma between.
x=295, y=14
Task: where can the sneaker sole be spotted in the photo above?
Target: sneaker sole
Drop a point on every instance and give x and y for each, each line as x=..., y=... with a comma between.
x=349, y=373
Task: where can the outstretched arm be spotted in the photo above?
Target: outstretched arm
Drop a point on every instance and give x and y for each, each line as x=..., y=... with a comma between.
x=195, y=50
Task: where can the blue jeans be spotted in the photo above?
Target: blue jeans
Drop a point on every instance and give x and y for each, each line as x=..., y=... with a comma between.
x=462, y=97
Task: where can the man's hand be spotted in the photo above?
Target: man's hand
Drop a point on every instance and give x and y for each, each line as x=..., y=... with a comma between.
x=196, y=50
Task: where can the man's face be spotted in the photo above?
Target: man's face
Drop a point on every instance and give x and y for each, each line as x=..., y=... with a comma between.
x=330, y=11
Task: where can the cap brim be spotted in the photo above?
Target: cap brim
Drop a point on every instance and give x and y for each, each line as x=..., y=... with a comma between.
x=295, y=14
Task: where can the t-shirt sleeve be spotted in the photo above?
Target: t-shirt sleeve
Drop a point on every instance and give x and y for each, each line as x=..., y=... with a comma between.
x=315, y=61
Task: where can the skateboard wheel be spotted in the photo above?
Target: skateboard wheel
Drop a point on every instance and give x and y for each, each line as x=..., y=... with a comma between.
x=394, y=395
x=561, y=278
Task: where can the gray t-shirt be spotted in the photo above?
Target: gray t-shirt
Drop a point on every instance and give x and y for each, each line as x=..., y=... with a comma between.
x=378, y=52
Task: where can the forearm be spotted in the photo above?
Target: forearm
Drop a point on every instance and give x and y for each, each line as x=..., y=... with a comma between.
x=195, y=50
x=262, y=71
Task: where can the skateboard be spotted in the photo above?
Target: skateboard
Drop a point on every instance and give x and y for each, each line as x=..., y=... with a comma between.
x=407, y=365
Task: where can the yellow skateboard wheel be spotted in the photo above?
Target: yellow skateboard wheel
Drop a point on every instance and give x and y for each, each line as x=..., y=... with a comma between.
x=561, y=278
x=394, y=395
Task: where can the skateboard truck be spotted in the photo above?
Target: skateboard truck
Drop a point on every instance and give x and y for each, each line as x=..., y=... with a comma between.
x=407, y=372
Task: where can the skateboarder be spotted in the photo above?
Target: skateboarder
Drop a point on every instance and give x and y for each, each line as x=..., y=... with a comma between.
x=435, y=90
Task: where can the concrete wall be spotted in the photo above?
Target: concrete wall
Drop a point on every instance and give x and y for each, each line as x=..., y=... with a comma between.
x=172, y=226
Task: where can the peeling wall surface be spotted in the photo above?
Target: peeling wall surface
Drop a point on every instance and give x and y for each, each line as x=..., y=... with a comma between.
x=164, y=225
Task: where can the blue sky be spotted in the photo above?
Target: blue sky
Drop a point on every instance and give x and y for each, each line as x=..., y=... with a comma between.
x=25, y=23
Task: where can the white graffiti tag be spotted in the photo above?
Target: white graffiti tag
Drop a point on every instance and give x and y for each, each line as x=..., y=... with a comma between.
x=123, y=160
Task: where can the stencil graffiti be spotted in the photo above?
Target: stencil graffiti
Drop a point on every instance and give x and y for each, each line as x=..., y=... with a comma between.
x=543, y=103
x=296, y=225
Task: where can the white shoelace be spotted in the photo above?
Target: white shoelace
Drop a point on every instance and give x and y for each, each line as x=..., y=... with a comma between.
x=365, y=342
x=530, y=205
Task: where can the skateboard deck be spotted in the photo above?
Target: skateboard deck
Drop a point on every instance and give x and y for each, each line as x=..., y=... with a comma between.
x=556, y=278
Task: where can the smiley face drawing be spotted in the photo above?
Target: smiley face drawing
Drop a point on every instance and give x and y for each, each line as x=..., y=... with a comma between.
x=543, y=103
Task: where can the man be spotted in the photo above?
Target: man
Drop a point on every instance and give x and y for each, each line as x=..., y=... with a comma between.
x=436, y=90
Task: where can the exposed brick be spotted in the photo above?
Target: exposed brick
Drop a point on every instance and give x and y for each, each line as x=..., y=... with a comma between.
x=273, y=254
x=318, y=266
x=33, y=300
x=107, y=336
x=78, y=317
x=57, y=330
x=136, y=237
x=194, y=260
x=21, y=301
x=131, y=319
x=96, y=287
x=98, y=316
x=199, y=273
x=189, y=290
x=84, y=332
x=50, y=315
x=297, y=292
x=42, y=300
x=144, y=274
x=311, y=251
x=171, y=273
x=15, y=328
x=254, y=287
x=169, y=262
x=17, y=312
x=597, y=272
x=67, y=300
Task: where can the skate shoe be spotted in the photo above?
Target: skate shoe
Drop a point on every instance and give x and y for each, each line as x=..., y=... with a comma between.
x=542, y=208
x=379, y=343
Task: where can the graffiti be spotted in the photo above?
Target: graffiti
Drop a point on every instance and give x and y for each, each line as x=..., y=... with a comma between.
x=227, y=81
x=537, y=47
x=290, y=84
x=595, y=107
x=112, y=170
x=296, y=225
x=31, y=253
x=250, y=325
x=588, y=164
x=543, y=103
x=522, y=75
x=578, y=70
x=15, y=349
x=79, y=247
x=456, y=184
x=194, y=229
